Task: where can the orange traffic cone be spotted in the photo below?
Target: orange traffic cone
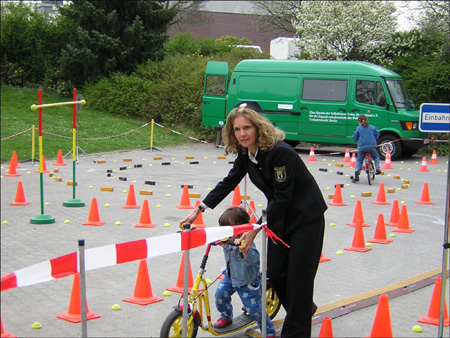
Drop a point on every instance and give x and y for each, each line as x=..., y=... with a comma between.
x=403, y=222
x=423, y=166
x=346, y=156
x=434, y=159
x=381, y=197
x=358, y=215
x=198, y=223
x=94, y=218
x=387, y=160
x=425, y=198
x=5, y=333
x=131, y=199
x=12, y=172
x=337, y=198
x=326, y=330
x=59, y=159
x=358, y=243
x=380, y=232
x=179, y=286
x=73, y=315
x=312, y=157
x=145, y=221
x=143, y=290
x=44, y=166
x=185, y=201
x=14, y=158
x=352, y=161
x=251, y=212
x=395, y=214
x=432, y=317
x=323, y=258
x=236, y=197
x=20, y=196
x=382, y=323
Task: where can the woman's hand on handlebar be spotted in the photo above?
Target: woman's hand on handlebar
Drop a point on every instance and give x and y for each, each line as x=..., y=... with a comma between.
x=190, y=218
x=247, y=238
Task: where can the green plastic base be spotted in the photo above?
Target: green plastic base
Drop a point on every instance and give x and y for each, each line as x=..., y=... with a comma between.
x=74, y=202
x=42, y=219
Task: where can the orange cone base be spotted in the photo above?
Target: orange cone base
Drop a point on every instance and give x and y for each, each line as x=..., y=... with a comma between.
x=76, y=318
x=178, y=289
x=43, y=171
x=324, y=259
x=131, y=206
x=380, y=241
x=94, y=223
x=358, y=249
x=337, y=204
x=143, y=301
x=59, y=164
x=26, y=203
x=407, y=231
x=392, y=224
x=364, y=225
x=433, y=321
x=185, y=207
x=6, y=334
x=142, y=225
x=418, y=202
x=380, y=202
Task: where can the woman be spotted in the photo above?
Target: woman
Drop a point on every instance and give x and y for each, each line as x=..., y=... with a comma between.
x=295, y=210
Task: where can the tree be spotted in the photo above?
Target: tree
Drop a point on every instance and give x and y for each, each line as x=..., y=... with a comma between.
x=113, y=36
x=279, y=14
x=344, y=30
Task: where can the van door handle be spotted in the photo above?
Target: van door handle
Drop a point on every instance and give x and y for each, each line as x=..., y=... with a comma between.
x=355, y=110
x=303, y=108
x=341, y=109
x=206, y=102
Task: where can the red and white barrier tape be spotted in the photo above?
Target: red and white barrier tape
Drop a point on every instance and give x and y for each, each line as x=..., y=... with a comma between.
x=108, y=255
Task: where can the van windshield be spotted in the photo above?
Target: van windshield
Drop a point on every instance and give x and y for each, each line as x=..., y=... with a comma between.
x=400, y=94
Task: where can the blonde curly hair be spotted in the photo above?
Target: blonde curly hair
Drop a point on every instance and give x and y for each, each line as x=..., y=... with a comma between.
x=266, y=134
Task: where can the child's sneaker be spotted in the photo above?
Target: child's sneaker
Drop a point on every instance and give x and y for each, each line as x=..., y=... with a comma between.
x=378, y=171
x=356, y=179
x=221, y=323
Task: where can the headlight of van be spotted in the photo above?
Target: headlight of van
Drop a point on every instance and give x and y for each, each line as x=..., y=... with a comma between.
x=409, y=125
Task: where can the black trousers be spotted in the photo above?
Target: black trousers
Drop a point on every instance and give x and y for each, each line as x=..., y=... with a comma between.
x=292, y=272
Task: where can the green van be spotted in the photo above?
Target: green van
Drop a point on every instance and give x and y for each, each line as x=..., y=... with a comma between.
x=317, y=101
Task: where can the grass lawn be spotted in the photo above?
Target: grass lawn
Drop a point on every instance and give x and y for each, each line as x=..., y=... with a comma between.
x=96, y=130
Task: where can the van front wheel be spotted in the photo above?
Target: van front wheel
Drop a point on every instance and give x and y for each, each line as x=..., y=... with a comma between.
x=391, y=143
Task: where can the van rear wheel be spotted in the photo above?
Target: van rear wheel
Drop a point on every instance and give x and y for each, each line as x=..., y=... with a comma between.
x=292, y=143
x=385, y=143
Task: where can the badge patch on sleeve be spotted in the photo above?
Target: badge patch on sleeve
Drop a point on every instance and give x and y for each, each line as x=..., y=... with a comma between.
x=280, y=174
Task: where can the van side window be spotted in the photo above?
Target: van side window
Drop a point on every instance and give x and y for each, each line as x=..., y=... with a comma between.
x=215, y=85
x=324, y=90
x=381, y=96
x=365, y=92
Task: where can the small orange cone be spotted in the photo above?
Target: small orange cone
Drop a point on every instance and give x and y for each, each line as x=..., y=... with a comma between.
x=145, y=221
x=251, y=211
x=12, y=172
x=20, y=196
x=337, y=198
x=326, y=330
x=143, y=290
x=381, y=197
x=403, y=222
x=14, y=158
x=44, y=166
x=179, y=286
x=380, y=232
x=94, y=218
x=358, y=215
x=352, y=161
x=382, y=323
x=434, y=159
x=358, y=243
x=395, y=214
x=198, y=223
x=346, y=156
x=5, y=333
x=323, y=258
x=131, y=199
x=423, y=166
x=185, y=202
x=236, y=198
x=73, y=315
x=432, y=317
x=387, y=160
x=59, y=159
x=425, y=197
x=312, y=157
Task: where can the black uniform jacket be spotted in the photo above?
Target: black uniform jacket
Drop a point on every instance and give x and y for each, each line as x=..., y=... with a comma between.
x=294, y=198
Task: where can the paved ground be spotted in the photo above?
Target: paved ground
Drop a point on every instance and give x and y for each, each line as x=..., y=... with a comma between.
x=351, y=274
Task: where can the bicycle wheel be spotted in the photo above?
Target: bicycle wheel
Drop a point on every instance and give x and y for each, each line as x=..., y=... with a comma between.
x=173, y=326
x=372, y=169
x=367, y=168
x=273, y=304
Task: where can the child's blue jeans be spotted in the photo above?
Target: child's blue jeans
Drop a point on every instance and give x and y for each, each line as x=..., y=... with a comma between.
x=251, y=299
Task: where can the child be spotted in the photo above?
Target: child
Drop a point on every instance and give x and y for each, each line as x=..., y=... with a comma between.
x=367, y=137
x=241, y=275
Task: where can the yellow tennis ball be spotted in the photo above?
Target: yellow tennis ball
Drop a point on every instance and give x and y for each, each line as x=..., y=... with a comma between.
x=118, y=223
x=5, y=222
x=33, y=107
x=36, y=325
x=158, y=205
x=368, y=244
x=168, y=195
x=391, y=235
x=417, y=329
x=106, y=204
x=167, y=293
x=332, y=225
x=166, y=225
x=339, y=252
x=66, y=221
x=169, y=186
x=116, y=307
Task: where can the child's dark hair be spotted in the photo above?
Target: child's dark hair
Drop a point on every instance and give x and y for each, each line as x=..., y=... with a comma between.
x=234, y=216
x=363, y=120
